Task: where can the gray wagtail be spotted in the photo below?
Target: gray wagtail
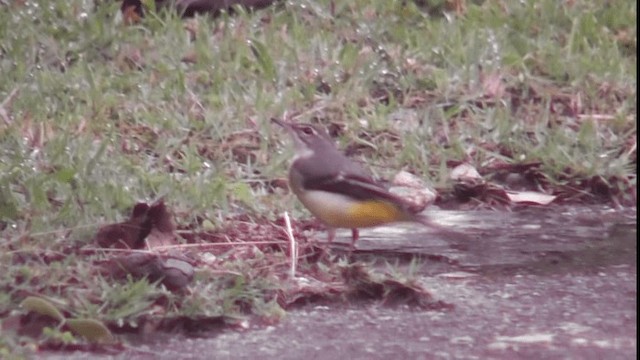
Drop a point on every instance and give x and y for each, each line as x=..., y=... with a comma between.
x=336, y=190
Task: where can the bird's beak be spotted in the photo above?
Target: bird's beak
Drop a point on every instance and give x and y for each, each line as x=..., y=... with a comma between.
x=281, y=123
x=297, y=141
x=286, y=126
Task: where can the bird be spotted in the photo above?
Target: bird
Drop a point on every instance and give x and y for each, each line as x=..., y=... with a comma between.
x=338, y=191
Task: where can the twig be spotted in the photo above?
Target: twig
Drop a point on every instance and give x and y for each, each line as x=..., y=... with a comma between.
x=4, y=113
x=214, y=245
x=307, y=112
x=184, y=246
x=597, y=116
x=293, y=248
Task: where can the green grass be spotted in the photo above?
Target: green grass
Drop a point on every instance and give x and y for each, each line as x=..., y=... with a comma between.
x=106, y=115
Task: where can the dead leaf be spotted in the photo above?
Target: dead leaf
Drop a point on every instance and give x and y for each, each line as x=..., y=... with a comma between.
x=93, y=330
x=151, y=224
x=41, y=306
x=492, y=85
x=414, y=190
x=531, y=197
x=173, y=271
x=133, y=10
x=190, y=57
x=130, y=57
x=191, y=26
x=129, y=234
x=162, y=226
x=465, y=171
x=178, y=273
x=36, y=133
x=244, y=145
x=362, y=283
x=131, y=14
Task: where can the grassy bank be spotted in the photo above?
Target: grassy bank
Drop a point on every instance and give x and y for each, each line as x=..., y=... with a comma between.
x=96, y=116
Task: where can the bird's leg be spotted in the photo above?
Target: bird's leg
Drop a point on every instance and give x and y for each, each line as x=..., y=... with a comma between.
x=355, y=235
x=331, y=235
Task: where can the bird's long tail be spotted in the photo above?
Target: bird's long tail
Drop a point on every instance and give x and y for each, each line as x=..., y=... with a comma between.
x=438, y=228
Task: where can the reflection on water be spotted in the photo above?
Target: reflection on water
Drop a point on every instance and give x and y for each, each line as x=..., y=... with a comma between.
x=536, y=239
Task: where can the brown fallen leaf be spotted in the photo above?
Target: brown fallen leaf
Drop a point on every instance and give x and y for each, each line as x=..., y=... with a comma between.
x=190, y=57
x=364, y=284
x=178, y=273
x=163, y=229
x=468, y=183
x=133, y=10
x=130, y=57
x=152, y=224
x=36, y=133
x=174, y=271
x=129, y=234
x=492, y=85
x=243, y=145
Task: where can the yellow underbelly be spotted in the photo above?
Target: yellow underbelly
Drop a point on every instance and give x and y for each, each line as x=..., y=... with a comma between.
x=340, y=211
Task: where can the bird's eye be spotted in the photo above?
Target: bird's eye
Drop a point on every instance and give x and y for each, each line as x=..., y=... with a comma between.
x=307, y=130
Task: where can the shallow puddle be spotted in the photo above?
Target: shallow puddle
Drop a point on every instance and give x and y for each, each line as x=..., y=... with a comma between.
x=535, y=283
x=538, y=240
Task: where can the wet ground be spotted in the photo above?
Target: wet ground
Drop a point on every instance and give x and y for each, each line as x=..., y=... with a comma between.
x=536, y=283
